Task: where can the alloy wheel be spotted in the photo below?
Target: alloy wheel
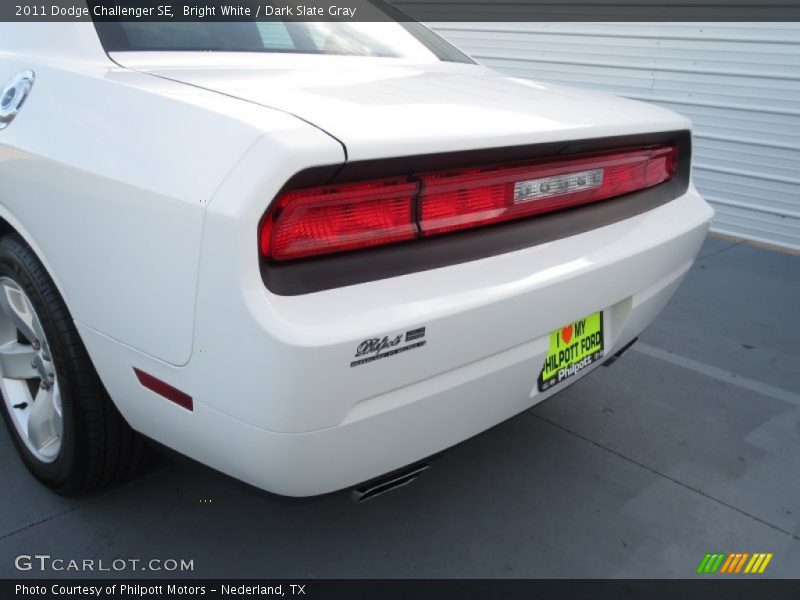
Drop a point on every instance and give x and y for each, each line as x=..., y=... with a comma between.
x=28, y=377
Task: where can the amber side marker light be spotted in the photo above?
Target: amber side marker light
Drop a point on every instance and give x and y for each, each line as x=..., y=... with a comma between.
x=164, y=389
x=340, y=217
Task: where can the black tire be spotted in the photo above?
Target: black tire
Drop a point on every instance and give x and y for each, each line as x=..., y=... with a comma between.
x=98, y=448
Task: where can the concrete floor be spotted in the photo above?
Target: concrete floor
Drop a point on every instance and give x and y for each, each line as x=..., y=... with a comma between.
x=689, y=444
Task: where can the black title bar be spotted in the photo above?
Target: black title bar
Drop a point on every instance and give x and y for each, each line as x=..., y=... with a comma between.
x=412, y=10
x=709, y=588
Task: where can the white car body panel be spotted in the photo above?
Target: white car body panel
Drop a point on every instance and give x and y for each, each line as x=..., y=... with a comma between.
x=117, y=198
x=140, y=182
x=327, y=426
x=384, y=107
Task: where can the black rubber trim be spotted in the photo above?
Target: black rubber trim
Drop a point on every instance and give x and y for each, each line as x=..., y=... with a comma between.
x=316, y=274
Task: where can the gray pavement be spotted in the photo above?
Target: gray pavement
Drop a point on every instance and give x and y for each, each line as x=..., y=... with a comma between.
x=688, y=444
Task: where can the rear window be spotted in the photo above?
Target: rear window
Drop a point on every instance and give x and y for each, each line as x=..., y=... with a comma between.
x=378, y=39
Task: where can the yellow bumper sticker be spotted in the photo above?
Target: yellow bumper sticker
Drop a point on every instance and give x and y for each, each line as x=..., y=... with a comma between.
x=572, y=349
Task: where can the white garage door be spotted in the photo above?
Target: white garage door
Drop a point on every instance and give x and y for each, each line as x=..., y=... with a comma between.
x=738, y=82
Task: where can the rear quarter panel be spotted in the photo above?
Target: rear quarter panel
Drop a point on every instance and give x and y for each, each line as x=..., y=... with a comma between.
x=107, y=174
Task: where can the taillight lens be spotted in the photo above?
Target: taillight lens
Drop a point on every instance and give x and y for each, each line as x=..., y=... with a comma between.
x=336, y=218
x=470, y=198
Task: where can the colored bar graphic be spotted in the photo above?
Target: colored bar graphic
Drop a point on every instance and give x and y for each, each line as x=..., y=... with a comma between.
x=755, y=562
x=734, y=563
x=730, y=564
x=741, y=562
x=711, y=563
x=727, y=565
x=764, y=564
x=718, y=563
x=701, y=568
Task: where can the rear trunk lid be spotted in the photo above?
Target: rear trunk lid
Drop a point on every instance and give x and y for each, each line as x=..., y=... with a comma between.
x=379, y=108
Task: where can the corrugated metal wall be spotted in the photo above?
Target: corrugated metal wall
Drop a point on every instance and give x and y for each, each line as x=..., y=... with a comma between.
x=738, y=82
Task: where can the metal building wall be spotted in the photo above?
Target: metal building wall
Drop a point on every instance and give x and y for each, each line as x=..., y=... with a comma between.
x=738, y=82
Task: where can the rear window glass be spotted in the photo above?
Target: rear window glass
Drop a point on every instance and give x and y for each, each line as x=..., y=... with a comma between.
x=379, y=39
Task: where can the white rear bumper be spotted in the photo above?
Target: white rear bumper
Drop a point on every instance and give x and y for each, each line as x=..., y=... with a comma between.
x=277, y=404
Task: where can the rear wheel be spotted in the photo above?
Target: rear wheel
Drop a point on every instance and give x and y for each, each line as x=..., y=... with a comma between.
x=65, y=427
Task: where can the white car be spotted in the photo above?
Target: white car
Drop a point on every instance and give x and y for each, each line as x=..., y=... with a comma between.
x=311, y=254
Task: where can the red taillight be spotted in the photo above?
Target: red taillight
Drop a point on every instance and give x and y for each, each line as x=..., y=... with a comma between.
x=474, y=197
x=343, y=217
x=339, y=217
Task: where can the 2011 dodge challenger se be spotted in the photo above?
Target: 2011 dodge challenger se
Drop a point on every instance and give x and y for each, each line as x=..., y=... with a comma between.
x=310, y=255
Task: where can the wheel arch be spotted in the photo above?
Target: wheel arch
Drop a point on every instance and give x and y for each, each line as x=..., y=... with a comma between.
x=9, y=224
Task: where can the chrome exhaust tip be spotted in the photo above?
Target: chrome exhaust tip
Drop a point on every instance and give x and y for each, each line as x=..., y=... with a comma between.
x=386, y=483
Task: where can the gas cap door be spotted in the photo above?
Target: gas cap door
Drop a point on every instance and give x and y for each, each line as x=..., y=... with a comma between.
x=13, y=95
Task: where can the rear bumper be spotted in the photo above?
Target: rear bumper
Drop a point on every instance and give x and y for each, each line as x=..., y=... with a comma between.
x=278, y=404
